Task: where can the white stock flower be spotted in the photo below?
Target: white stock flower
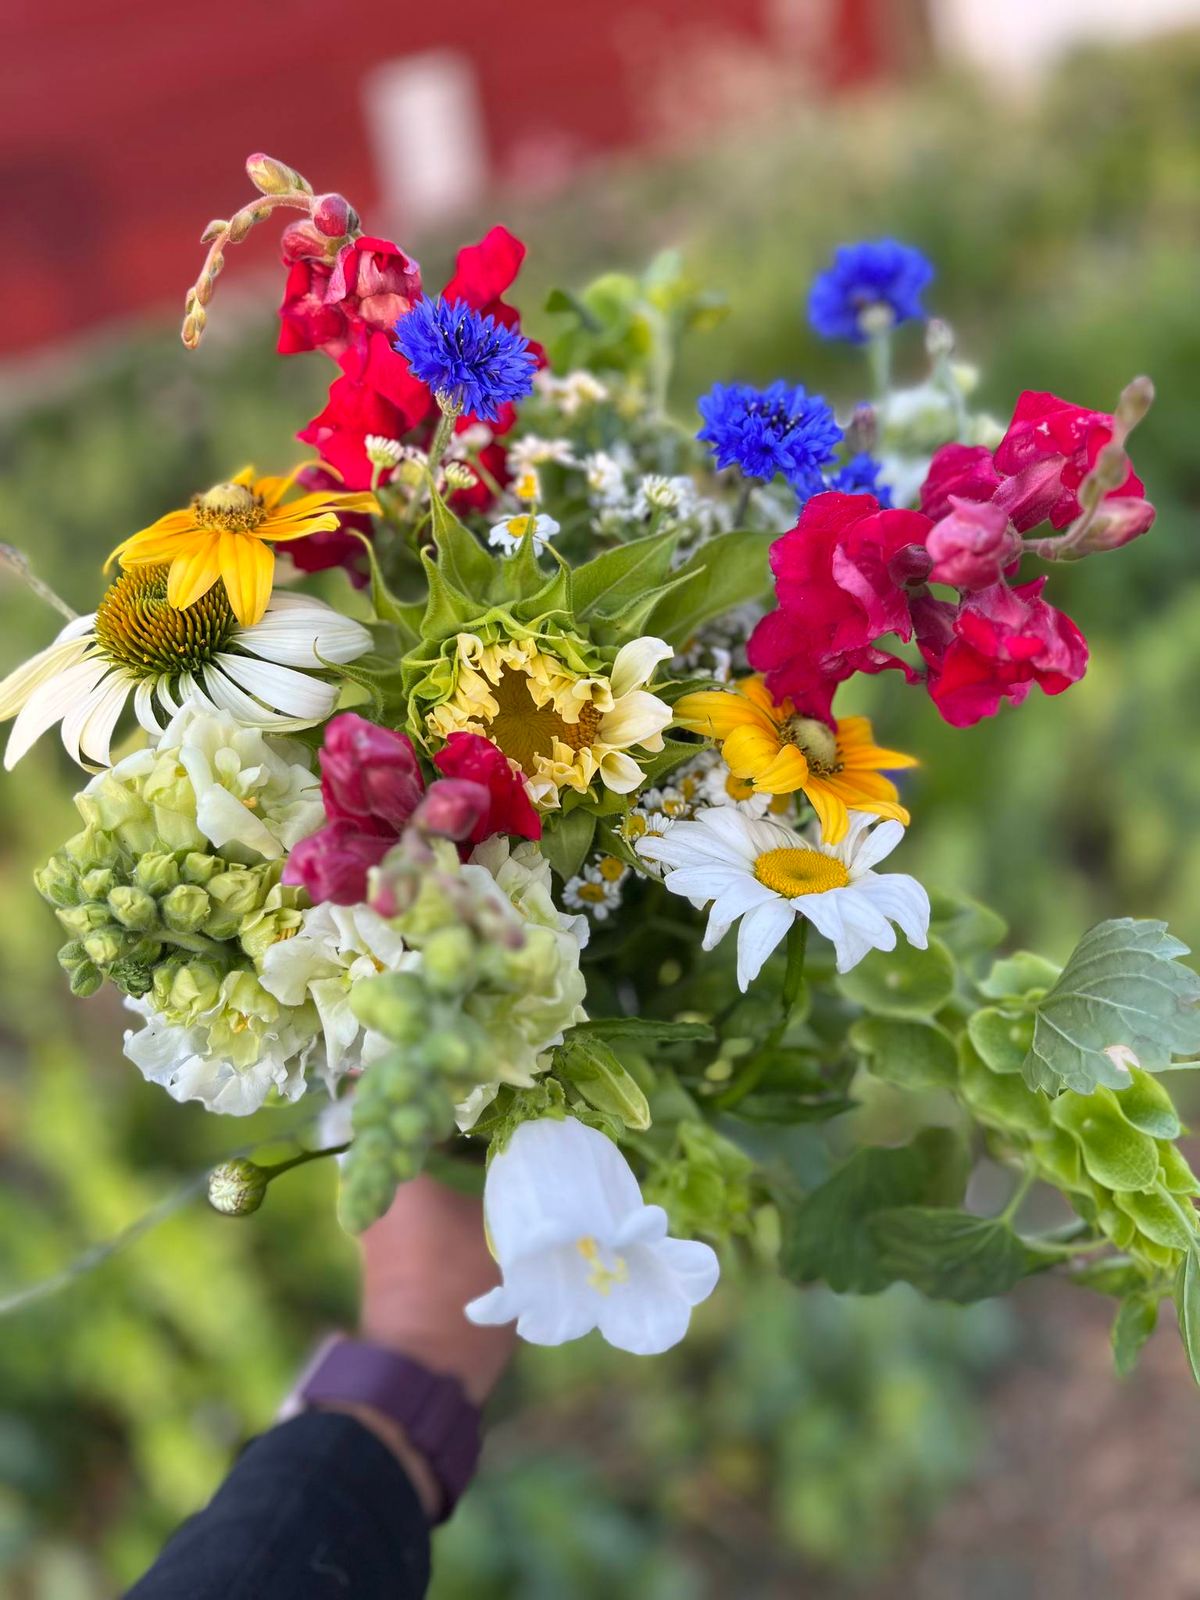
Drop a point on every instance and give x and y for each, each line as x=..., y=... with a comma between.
x=768, y=875
x=333, y=949
x=136, y=645
x=509, y=534
x=578, y=1249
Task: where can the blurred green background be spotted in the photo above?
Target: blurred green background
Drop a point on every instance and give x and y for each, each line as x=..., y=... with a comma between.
x=792, y=1434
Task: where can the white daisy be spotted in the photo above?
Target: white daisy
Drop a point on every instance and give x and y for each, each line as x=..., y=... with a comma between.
x=659, y=493
x=136, y=644
x=572, y=392
x=534, y=451
x=507, y=535
x=768, y=875
x=597, y=890
x=605, y=475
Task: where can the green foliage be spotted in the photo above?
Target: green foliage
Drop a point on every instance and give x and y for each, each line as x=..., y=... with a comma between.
x=1122, y=1000
x=728, y=571
x=905, y=982
x=912, y=1055
x=829, y=1236
x=951, y=1255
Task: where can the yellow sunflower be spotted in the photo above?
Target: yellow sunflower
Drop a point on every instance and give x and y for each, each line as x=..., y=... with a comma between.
x=227, y=533
x=776, y=751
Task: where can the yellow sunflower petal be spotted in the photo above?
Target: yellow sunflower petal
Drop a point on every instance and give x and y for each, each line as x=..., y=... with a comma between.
x=194, y=570
x=750, y=750
x=245, y=478
x=173, y=524
x=756, y=691
x=857, y=787
x=786, y=773
x=248, y=568
x=717, y=712
x=285, y=528
x=830, y=809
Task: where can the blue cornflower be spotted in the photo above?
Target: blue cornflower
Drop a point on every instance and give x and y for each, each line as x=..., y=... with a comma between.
x=877, y=272
x=782, y=429
x=860, y=475
x=472, y=363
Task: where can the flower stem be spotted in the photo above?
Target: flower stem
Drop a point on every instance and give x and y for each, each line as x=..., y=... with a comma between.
x=280, y=1167
x=879, y=359
x=19, y=562
x=441, y=438
x=742, y=505
x=756, y=1064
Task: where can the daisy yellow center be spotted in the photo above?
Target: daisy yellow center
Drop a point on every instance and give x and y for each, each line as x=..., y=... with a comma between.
x=611, y=869
x=601, y=1278
x=229, y=508
x=137, y=629
x=593, y=893
x=790, y=872
x=525, y=730
x=816, y=742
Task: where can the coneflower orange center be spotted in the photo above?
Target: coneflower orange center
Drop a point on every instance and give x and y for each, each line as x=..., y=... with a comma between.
x=137, y=629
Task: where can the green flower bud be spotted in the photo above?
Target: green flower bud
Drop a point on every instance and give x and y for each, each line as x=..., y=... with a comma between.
x=92, y=847
x=198, y=868
x=447, y=1052
x=394, y=1004
x=234, y=894
x=156, y=873
x=448, y=960
x=85, y=980
x=185, y=989
x=133, y=908
x=185, y=908
x=57, y=882
x=236, y=1188
x=104, y=947
x=84, y=919
x=98, y=884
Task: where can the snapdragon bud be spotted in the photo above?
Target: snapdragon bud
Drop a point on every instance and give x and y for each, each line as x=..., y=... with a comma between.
x=186, y=908
x=104, y=947
x=270, y=176
x=84, y=919
x=156, y=872
x=98, y=884
x=198, y=868
x=237, y=1187
x=57, y=882
x=394, y=1004
x=133, y=908
x=333, y=215
x=448, y=960
x=369, y=774
x=452, y=808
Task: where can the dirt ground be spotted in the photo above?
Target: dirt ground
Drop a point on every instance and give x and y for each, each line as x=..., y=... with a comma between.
x=1090, y=1489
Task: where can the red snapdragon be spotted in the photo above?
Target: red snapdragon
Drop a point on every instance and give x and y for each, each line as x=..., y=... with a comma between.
x=471, y=757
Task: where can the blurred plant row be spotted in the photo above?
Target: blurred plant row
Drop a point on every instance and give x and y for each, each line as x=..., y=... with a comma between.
x=798, y=1428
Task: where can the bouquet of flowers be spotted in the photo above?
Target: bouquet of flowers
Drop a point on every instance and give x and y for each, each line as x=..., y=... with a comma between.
x=547, y=845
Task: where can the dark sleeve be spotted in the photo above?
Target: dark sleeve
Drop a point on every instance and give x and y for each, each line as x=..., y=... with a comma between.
x=316, y=1509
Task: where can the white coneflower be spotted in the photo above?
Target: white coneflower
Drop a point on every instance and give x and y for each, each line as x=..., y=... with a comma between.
x=136, y=644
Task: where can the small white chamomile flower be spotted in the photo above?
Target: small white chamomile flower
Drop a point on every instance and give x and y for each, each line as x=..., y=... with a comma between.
x=507, y=535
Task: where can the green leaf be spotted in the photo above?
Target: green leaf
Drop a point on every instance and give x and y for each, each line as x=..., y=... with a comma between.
x=405, y=619
x=1001, y=1037
x=951, y=1255
x=643, y=1030
x=461, y=558
x=1187, y=1306
x=1148, y=1106
x=1122, y=1000
x=596, y=1071
x=965, y=926
x=566, y=840
x=1157, y=1216
x=727, y=571
x=914, y=1055
x=781, y=1109
x=905, y=982
x=827, y=1236
x=603, y=585
x=1013, y=977
x=1114, y=1153
x=1132, y=1326
x=1115, y=1275
x=1002, y=1100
